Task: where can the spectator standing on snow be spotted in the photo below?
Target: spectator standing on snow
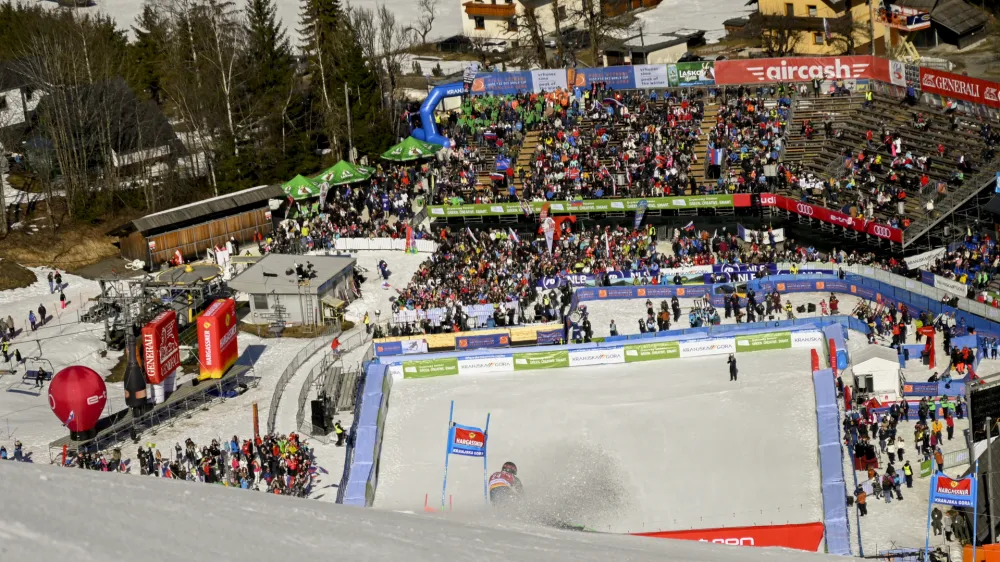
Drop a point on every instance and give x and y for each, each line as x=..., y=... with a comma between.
x=5, y=349
x=733, y=371
x=908, y=474
x=41, y=314
x=58, y=279
x=32, y=320
x=862, y=500
x=52, y=283
x=341, y=434
x=11, y=331
x=62, y=300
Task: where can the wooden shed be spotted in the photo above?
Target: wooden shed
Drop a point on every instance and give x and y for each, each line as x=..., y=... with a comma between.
x=196, y=227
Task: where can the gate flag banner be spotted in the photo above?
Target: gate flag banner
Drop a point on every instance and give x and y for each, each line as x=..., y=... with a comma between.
x=949, y=491
x=467, y=440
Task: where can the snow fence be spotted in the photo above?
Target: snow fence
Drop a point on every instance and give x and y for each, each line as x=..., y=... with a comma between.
x=831, y=464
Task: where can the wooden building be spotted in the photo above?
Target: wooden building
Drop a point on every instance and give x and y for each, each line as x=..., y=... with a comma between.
x=196, y=227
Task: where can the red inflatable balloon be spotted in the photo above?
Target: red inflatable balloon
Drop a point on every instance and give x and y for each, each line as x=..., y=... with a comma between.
x=77, y=396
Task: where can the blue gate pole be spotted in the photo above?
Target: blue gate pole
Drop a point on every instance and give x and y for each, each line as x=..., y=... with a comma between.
x=486, y=438
x=447, y=453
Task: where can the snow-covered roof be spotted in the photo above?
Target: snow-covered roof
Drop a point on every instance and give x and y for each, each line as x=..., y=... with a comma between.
x=128, y=516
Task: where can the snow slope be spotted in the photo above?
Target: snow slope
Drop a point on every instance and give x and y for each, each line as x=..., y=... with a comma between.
x=84, y=516
x=637, y=447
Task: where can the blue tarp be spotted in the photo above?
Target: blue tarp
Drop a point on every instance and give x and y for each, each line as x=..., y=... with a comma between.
x=366, y=438
x=831, y=464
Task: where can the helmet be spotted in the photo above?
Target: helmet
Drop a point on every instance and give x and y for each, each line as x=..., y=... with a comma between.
x=509, y=467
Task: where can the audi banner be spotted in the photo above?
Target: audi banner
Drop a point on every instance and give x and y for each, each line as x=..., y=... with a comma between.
x=959, y=87
x=837, y=218
x=797, y=69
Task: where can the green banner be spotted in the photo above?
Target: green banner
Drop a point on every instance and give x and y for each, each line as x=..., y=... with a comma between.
x=762, y=342
x=541, y=360
x=926, y=468
x=700, y=73
x=652, y=351
x=430, y=368
x=585, y=206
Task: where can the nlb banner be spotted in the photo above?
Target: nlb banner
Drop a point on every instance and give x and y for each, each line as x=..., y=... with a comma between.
x=160, y=348
x=802, y=536
x=764, y=342
x=796, y=69
x=466, y=343
x=949, y=491
x=959, y=87
x=840, y=219
x=652, y=351
x=217, y=339
x=466, y=440
x=599, y=356
x=541, y=360
x=430, y=368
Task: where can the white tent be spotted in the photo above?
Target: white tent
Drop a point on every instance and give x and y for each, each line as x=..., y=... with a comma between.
x=877, y=373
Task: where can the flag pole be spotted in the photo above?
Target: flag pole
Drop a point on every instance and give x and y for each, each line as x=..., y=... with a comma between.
x=930, y=504
x=486, y=437
x=447, y=452
x=975, y=504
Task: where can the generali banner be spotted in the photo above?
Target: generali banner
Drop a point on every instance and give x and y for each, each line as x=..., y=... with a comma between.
x=803, y=536
x=799, y=69
x=832, y=217
x=960, y=87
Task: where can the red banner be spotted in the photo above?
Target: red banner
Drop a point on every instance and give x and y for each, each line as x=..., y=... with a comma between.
x=833, y=357
x=217, y=333
x=815, y=360
x=803, y=536
x=959, y=87
x=469, y=438
x=834, y=217
x=795, y=69
x=160, y=349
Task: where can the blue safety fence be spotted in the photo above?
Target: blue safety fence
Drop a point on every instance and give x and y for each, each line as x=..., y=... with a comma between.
x=837, y=333
x=361, y=474
x=831, y=464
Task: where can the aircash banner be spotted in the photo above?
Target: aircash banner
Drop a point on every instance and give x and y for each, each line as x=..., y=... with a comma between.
x=949, y=491
x=798, y=69
x=430, y=368
x=541, y=360
x=591, y=206
x=652, y=351
x=764, y=342
x=799, y=536
x=833, y=217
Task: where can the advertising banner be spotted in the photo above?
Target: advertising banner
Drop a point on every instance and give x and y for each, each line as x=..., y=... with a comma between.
x=502, y=83
x=466, y=441
x=491, y=364
x=652, y=351
x=217, y=339
x=924, y=259
x=430, y=368
x=920, y=389
x=840, y=219
x=388, y=348
x=959, y=87
x=614, y=77
x=700, y=73
x=548, y=80
x=794, y=69
x=599, y=356
x=951, y=286
x=807, y=339
x=651, y=76
x=800, y=536
x=701, y=348
x=955, y=492
x=541, y=360
x=549, y=336
x=763, y=342
x=410, y=347
x=467, y=343
x=160, y=348
x=588, y=206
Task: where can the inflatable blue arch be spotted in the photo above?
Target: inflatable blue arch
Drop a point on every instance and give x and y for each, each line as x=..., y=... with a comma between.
x=429, y=131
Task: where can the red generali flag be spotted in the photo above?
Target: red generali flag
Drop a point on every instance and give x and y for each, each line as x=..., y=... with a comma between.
x=469, y=438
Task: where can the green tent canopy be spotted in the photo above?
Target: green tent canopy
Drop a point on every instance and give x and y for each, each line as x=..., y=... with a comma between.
x=411, y=149
x=301, y=187
x=344, y=172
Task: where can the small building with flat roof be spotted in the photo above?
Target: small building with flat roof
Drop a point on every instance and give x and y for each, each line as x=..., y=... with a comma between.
x=291, y=289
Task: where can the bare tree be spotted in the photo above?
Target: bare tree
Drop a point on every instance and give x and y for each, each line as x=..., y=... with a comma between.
x=779, y=35
x=480, y=45
x=424, y=23
x=557, y=18
x=847, y=33
x=531, y=37
x=601, y=28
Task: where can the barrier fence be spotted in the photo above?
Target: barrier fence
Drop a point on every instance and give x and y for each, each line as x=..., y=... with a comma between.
x=294, y=365
x=831, y=464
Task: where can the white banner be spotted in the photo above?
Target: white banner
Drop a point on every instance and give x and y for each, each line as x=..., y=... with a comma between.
x=651, y=76
x=690, y=270
x=699, y=348
x=922, y=260
x=807, y=339
x=399, y=244
x=953, y=287
x=548, y=80
x=395, y=371
x=897, y=73
x=762, y=235
x=600, y=356
x=490, y=364
x=414, y=346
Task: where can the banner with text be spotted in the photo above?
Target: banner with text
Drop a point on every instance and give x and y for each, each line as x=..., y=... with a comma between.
x=795, y=69
x=467, y=343
x=834, y=217
x=590, y=206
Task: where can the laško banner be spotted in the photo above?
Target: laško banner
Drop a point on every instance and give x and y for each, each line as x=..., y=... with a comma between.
x=799, y=69
x=832, y=217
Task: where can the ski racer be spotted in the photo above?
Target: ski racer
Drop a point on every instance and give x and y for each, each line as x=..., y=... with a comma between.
x=504, y=485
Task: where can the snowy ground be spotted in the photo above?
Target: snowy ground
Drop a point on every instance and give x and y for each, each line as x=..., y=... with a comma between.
x=631, y=448
x=676, y=15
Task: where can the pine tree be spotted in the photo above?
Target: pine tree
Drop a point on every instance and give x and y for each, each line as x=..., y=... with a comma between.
x=268, y=51
x=370, y=128
x=151, y=36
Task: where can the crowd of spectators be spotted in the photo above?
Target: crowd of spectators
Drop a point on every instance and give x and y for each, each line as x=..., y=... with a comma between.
x=276, y=464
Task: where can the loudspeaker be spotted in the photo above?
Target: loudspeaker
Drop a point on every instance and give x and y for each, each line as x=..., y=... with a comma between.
x=320, y=419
